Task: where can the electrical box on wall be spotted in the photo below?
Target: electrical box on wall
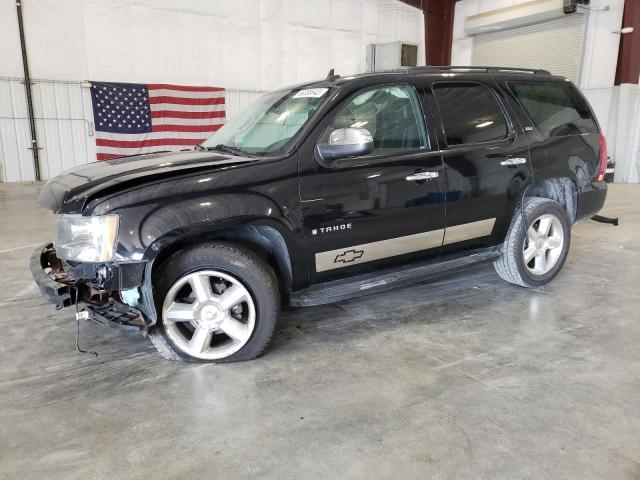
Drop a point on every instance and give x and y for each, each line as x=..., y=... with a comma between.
x=389, y=56
x=570, y=6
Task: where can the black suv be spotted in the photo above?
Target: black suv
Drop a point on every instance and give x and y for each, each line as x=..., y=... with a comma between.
x=323, y=192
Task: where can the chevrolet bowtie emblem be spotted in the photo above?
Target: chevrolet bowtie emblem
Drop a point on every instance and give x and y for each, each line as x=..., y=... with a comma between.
x=348, y=256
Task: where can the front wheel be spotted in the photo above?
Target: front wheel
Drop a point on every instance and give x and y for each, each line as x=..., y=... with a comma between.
x=217, y=302
x=533, y=256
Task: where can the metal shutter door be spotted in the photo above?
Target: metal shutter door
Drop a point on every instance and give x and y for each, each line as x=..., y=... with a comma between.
x=555, y=45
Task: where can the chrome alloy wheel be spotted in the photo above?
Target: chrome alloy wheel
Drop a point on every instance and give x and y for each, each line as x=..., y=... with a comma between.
x=209, y=314
x=543, y=246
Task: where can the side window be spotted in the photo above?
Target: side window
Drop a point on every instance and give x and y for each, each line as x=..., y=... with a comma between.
x=555, y=109
x=470, y=113
x=391, y=114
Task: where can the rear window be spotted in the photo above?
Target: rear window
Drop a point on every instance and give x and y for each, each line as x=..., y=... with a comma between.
x=555, y=109
x=470, y=113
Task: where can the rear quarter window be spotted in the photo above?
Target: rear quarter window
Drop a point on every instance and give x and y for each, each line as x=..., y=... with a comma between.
x=555, y=109
x=470, y=113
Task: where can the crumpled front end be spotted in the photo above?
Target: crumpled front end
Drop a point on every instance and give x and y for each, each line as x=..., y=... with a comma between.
x=111, y=294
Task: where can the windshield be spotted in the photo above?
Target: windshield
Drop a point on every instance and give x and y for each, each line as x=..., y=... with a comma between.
x=269, y=124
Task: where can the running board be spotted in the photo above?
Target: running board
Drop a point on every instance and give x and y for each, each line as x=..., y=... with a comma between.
x=365, y=284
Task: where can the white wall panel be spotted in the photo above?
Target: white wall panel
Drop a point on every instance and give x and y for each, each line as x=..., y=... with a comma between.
x=245, y=46
x=602, y=101
x=54, y=32
x=601, y=44
x=10, y=59
x=15, y=139
x=626, y=136
x=462, y=44
x=232, y=43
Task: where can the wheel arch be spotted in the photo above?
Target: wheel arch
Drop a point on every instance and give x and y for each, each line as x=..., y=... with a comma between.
x=559, y=189
x=263, y=239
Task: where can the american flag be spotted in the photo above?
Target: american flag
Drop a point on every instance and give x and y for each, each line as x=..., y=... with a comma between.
x=134, y=118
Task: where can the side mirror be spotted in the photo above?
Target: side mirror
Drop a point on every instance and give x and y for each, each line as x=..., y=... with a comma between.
x=343, y=143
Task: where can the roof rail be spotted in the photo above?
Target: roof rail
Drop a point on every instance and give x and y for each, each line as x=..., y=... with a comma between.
x=432, y=68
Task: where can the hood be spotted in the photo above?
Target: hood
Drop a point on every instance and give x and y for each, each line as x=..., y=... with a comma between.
x=70, y=191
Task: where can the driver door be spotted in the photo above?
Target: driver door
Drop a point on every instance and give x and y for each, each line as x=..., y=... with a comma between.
x=381, y=209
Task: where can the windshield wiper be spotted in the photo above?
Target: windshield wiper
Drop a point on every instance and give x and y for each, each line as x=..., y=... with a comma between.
x=227, y=149
x=200, y=147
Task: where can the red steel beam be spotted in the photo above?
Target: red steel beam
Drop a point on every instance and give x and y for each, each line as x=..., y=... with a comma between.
x=438, y=29
x=628, y=69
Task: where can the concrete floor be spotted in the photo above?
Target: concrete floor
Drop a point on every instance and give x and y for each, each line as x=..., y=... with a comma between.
x=466, y=378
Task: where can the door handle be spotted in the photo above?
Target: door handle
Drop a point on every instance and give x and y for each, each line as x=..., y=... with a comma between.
x=513, y=161
x=421, y=176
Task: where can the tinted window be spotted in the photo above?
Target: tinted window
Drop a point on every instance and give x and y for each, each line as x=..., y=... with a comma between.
x=392, y=116
x=470, y=113
x=555, y=109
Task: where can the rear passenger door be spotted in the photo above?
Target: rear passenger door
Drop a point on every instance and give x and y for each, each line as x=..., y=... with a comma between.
x=486, y=161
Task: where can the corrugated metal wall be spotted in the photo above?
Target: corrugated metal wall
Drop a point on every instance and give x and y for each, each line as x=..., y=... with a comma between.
x=64, y=123
x=555, y=45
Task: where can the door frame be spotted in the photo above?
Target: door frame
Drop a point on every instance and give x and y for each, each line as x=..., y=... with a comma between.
x=515, y=132
x=306, y=158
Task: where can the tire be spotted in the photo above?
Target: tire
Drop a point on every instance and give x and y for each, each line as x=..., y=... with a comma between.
x=512, y=267
x=195, y=290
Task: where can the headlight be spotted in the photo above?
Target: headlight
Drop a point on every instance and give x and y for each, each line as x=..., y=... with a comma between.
x=87, y=239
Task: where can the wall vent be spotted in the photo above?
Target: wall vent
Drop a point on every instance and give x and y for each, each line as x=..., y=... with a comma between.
x=391, y=56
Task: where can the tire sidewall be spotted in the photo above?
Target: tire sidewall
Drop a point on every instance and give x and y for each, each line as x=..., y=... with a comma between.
x=555, y=209
x=240, y=264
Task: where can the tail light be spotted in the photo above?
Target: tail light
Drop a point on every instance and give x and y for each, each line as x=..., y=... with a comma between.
x=604, y=158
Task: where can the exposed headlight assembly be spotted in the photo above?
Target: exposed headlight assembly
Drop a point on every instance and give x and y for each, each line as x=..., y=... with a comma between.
x=87, y=239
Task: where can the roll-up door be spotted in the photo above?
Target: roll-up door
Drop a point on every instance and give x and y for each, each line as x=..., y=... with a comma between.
x=555, y=45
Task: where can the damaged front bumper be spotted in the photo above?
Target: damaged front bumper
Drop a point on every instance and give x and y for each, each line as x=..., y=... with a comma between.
x=96, y=288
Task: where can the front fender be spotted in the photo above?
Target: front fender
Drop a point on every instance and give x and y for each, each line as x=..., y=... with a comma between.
x=146, y=230
x=208, y=229
x=155, y=215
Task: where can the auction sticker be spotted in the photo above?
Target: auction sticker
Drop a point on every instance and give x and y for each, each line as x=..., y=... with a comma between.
x=311, y=93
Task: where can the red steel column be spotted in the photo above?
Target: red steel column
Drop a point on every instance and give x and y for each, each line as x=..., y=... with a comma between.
x=628, y=69
x=438, y=29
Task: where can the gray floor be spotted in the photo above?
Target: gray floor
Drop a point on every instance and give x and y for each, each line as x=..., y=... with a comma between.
x=465, y=378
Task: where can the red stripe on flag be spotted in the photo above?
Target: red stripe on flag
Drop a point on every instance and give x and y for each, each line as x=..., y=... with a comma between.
x=103, y=142
x=186, y=101
x=185, y=128
x=107, y=156
x=182, y=88
x=177, y=114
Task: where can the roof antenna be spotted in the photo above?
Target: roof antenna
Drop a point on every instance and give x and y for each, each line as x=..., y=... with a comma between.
x=332, y=76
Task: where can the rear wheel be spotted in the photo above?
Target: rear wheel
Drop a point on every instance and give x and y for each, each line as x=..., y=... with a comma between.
x=216, y=302
x=533, y=256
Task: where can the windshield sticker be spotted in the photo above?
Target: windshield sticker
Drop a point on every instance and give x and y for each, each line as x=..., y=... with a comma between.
x=311, y=93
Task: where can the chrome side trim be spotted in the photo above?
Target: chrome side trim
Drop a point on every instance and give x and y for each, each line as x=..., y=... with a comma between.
x=422, y=176
x=367, y=252
x=467, y=231
x=514, y=161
